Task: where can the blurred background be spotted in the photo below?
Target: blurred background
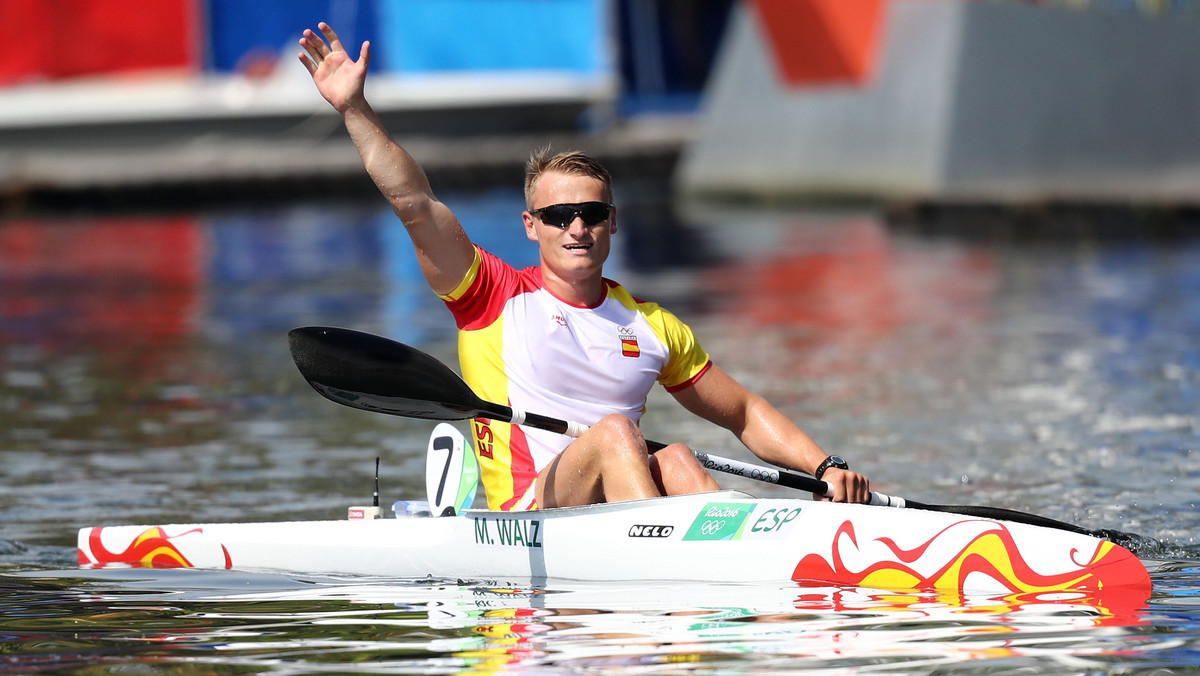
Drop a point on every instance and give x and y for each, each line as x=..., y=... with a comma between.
x=114, y=102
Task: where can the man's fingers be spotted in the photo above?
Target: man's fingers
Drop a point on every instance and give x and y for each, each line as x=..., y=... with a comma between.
x=849, y=486
x=334, y=43
x=318, y=50
x=308, y=64
x=364, y=54
x=859, y=489
x=315, y=46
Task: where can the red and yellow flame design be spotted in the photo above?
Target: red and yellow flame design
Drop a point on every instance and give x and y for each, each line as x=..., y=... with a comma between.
x=992, y=553
x=152, y=548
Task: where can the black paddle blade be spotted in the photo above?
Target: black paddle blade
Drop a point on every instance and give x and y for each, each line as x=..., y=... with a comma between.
x=368, y=372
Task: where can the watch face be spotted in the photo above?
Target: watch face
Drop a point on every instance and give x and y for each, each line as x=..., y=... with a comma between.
x=831, y=461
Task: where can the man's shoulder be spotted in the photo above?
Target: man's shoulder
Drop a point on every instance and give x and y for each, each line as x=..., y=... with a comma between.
x=620, y=293
x=616, y=289
x=493, y=266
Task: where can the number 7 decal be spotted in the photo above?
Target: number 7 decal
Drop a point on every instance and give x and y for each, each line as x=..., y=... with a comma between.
x=451, y=472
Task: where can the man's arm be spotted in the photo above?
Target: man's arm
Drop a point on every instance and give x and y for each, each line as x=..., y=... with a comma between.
x=719, y=398
x=443, y=249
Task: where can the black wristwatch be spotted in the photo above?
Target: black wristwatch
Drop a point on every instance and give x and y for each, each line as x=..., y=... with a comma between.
x=831, y=461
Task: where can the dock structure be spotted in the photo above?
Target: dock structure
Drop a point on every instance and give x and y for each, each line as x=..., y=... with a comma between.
x=482, y=139
x=984, y=102
x=78, y=137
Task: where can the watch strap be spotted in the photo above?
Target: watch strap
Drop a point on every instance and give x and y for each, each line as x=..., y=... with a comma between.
x=831, y=461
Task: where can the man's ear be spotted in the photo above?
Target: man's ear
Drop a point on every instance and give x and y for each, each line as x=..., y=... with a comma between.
x=530, y=226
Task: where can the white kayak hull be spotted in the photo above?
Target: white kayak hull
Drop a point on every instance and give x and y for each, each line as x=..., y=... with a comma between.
x=711, y=537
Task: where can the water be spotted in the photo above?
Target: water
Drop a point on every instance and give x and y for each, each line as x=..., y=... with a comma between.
x=144, y=378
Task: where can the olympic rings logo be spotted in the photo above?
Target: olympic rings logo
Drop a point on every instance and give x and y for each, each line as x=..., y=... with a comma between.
x=712, y=527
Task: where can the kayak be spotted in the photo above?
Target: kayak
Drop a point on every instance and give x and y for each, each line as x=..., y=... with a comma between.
x=723, y=536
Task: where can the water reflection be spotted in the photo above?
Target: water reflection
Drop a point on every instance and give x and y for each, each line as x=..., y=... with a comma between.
x=832, y=289
x=402, y=626
x=86, y=285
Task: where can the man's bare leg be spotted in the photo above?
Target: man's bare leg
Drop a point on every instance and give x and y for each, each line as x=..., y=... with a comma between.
x=676, y=471
x=608, y=463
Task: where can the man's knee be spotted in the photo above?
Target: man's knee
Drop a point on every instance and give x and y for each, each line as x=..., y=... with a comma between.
x=615, y=423
x=678, y=471
x=619, y=436
x=678, y=455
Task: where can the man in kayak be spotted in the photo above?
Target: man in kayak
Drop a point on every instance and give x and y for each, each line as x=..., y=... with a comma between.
x=560, y=338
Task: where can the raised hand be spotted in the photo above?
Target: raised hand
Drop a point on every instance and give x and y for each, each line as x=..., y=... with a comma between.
x=339, y=78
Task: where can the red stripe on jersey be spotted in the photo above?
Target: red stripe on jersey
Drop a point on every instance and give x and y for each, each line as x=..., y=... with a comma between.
x=690, y=381
x=479, y=307
x=522, y=469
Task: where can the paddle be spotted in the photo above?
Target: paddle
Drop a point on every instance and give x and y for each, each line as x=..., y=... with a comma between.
x=373, y=373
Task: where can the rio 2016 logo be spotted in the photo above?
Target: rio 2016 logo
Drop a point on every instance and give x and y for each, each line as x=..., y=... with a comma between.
x=719, y=521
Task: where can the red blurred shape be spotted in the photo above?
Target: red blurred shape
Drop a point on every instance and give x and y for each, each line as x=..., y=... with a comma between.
x=117, y=278
x=56, y=39
x=816, y=42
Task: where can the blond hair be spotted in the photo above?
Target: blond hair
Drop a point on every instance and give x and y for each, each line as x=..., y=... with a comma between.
x=571, y=162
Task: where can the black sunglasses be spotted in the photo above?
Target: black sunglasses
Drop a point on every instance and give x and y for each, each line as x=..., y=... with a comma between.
x=562, y=215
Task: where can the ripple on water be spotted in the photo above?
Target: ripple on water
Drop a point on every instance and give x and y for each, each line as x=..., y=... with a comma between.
x=259, y=620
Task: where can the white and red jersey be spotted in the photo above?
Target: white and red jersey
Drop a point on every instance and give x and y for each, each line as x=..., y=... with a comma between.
x=521, y=345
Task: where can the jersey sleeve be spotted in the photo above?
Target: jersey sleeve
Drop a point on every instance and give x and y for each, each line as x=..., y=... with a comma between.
x=688, y=360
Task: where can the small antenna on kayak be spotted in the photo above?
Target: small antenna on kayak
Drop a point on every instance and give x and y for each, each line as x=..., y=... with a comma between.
x=372, y=512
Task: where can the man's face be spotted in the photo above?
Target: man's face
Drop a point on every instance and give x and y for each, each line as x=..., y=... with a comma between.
x=577, y=250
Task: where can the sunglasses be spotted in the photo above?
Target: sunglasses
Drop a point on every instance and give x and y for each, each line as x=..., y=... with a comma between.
x=562, y=215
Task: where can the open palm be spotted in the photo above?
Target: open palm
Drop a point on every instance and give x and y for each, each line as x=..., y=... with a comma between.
x=338, y=77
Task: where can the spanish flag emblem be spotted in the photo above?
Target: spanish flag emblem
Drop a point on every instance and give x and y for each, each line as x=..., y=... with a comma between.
x=629, y=347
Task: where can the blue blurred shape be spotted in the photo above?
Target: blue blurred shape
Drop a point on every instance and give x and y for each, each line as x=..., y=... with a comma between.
x=292, y=245
x=240, y=31
x=475, y=35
